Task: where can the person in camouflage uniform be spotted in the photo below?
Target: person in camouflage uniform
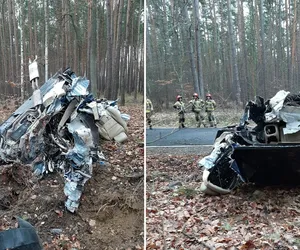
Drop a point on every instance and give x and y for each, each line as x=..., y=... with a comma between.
x=197, y=108
x=210, y=106
x=179, y=105
x=149, y=110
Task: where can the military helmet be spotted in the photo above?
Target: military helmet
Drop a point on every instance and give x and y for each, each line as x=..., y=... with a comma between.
x=195, y=95
x=208, y=95
x=178, y=97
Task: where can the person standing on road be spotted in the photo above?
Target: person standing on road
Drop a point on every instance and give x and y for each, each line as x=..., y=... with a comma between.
x=197, y=108
x=210, y=106
x=149, y=110
x=179, y=105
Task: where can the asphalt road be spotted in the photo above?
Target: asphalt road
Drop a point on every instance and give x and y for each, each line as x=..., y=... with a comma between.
x=180, y=137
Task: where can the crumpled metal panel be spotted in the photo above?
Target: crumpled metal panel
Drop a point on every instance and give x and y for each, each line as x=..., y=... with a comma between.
x=24, y=237
x=269, y=164
x=60, y=132
x=79, y=87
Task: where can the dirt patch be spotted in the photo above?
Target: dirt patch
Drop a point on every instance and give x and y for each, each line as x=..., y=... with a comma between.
x=111, y=212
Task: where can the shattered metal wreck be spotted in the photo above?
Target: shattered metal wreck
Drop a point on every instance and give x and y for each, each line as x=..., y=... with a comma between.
x=59, y=127
x=267, y=153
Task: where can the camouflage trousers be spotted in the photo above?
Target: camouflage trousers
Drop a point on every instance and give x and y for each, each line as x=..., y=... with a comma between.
x=181, y=119
x=200, y=119
x=148, y=118
x=211, y=118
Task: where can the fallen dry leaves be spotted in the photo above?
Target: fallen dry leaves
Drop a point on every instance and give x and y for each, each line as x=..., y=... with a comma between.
x=180, y=217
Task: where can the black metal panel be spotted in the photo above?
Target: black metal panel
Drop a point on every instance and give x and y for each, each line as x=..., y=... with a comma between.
x=269, y=164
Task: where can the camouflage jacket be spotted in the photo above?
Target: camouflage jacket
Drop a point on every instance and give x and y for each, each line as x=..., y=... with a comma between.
x=210, y=105
x=180, y=106
x=149, y=106
x=197, y=105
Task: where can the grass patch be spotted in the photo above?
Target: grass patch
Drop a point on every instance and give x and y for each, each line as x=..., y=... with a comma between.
x=169, y=118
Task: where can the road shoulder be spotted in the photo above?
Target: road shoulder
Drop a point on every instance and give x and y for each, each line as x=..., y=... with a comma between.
x=179, y=150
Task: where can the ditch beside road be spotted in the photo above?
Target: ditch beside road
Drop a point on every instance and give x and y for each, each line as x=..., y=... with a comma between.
x=171, y=141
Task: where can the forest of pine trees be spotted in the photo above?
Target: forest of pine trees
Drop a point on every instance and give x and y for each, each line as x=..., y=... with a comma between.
x=232, y=49
x=102, y=40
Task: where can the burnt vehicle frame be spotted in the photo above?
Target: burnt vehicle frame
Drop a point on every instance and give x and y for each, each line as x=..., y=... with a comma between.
x=264, y=154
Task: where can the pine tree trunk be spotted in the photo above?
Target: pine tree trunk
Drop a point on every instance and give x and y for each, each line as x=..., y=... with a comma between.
x=30, y=25
x=11, y=64
x=35, y=31
x=198, y=48
x=22, y=56
x=109, y=51
x=263, y=56
x=16, y=41
x=293, y=49
x=189, y=45
x=244, y=60
x=137, y=51
x=235, y=74
x=4, y=73
x=117, y=54
x=46, y=39
x=126, y=61
x=287, y=34
x=93, y=56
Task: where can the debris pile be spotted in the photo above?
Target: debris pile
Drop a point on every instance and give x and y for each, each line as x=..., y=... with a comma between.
x=266, y=153
x=60, y=127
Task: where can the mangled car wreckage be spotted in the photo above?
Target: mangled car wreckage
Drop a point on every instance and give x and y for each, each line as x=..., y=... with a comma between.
x=59, y=127
x=265, y=154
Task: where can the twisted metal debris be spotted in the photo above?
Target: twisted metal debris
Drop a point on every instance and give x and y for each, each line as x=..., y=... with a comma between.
x=59, y=127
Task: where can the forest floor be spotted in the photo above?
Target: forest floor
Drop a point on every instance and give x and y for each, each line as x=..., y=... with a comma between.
x=111, y=211
x=179, y=216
